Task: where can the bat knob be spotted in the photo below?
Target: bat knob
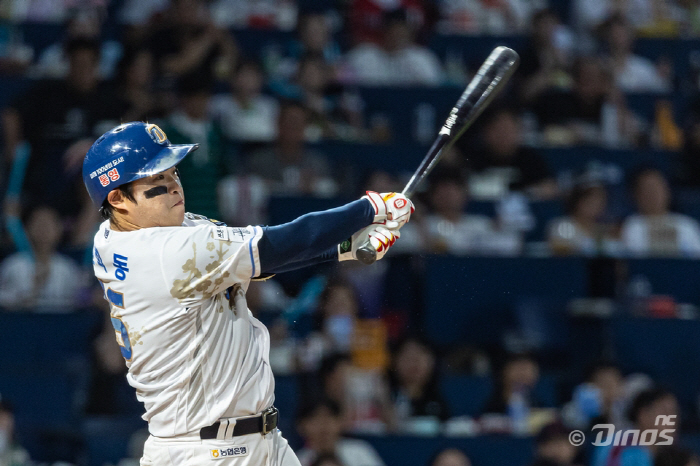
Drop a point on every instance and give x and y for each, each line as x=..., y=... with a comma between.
x=366, y=254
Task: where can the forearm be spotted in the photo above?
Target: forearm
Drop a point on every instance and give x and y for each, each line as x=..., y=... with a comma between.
x=330, y=255
x=310, y=235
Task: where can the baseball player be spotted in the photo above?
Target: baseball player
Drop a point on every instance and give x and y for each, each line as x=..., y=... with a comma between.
x=176, y=285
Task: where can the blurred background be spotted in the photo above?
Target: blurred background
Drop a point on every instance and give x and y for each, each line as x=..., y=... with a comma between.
x=549, y=280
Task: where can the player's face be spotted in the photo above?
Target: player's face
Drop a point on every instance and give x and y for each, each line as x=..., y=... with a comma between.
x=160, y=201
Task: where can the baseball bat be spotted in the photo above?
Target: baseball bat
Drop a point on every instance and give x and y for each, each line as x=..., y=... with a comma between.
x=486, y=84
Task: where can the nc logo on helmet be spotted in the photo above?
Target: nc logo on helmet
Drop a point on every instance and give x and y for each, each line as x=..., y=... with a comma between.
x=157, y=134
x=400, y=203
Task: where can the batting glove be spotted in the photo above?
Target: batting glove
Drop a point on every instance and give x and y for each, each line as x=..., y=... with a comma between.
x=392, y=209
x=380, y=237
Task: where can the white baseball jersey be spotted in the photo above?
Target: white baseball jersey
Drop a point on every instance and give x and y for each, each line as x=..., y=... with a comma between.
x=194, y=355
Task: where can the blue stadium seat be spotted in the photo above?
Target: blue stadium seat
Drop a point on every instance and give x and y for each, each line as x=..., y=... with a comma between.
x=666, y=349
x=471, y=299
x=468, y=395
x=107, y=438
x=674, y=277
x=286, y=398
x=39, y=338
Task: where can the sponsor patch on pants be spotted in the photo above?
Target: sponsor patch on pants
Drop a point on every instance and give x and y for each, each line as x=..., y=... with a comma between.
x=220, y=453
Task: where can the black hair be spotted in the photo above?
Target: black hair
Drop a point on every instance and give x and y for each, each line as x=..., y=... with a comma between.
x=107, y=210
x=431, y=388
x=552, y=431
x=397, y=16
x=636, y=174
x=128, y=58
x=330, y=363
x=447, y=174
x=194, y=83
x=309, y=409
x=644, y=400
x=578, y=193
x=600, y=366
x=81, y=43
x=249, y=63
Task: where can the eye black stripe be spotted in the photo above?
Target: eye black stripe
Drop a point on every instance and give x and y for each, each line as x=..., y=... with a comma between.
x=157, y=191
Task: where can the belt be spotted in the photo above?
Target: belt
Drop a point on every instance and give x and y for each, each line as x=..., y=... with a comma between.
x=261, y=424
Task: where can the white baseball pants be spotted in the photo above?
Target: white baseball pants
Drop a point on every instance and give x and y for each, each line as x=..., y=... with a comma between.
x=246, y=450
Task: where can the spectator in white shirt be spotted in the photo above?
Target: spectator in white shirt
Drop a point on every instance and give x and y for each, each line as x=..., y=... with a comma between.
x=320, y=424
x=246, y=114
x=582, y=231
x=632, y=73
x=44, y=281
x=655, y=231
x=397, y=61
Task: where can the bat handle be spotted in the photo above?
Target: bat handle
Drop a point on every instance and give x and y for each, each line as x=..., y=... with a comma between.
x=366, y=254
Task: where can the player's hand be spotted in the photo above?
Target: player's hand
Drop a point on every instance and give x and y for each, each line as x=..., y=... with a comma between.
x=392, y=209
x=380, y=237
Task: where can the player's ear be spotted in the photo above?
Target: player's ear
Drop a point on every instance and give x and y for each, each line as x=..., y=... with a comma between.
x=117, y=199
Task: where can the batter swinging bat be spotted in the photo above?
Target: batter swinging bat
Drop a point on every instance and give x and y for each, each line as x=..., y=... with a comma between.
x=487, y=83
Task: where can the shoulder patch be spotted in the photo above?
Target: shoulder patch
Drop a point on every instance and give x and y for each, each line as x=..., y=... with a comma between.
x=221, y=233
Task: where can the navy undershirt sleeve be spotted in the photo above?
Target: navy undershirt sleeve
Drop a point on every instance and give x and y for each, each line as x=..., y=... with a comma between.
x=308, y=239
x=331, y=254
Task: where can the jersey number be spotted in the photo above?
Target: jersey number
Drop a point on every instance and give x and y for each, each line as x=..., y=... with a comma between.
x=122, y=335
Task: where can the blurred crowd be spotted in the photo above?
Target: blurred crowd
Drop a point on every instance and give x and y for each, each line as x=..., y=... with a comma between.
x=261, y=120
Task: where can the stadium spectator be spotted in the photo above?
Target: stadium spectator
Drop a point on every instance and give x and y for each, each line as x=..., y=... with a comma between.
x=592, y=112
x=333, y=112
x=366, y=18
x=448, y=229
x=289, y=167
x=261, y=14
x=314, y=38
x=320, y=425
x=396, y=61
x=554, y=447
x=86, y=23
x=190, y=123
x=185, y=42
x=518, y=376
x=643, y=413
x=414, y=385
x=504, y=160
x=583, y=231
x=545, y=63
x=43, y=280
x=654, y=230
x=599, y=400
x=336, y=316
x=485, y=17
x=11, y=453
x=59, y=119
x=631, y=73
x=137, y=13
x=450, y=457
x=246, y=114
x=135, y=83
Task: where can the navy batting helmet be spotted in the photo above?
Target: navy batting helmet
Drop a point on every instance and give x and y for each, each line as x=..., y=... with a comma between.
x=126, y=153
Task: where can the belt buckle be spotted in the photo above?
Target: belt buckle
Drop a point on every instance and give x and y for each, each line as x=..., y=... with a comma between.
x=270, y=414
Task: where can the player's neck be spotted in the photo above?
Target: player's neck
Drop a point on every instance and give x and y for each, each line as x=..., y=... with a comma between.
x=121, y=223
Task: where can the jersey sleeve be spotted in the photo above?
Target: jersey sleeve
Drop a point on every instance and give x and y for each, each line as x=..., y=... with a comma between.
x=201, y=261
